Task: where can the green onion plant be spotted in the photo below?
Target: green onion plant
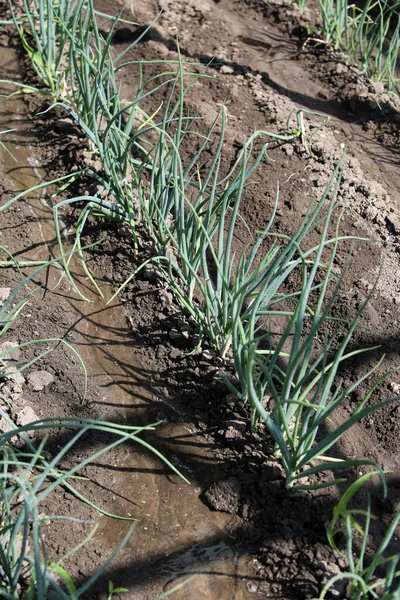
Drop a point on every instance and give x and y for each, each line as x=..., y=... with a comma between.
x=292, y=382
x=42, y=27
x=114, y=128
x=192, y=211
x=369, y=35
x=27, y=478
x=369, y=577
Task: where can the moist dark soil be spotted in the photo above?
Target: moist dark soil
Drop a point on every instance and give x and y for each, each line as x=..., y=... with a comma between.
x=237, y=510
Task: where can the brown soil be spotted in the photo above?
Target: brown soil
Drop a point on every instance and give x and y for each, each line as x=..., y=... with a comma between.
x=236, y=527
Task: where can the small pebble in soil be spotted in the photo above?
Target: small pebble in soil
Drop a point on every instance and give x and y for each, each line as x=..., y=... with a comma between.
x=4, y=426
x=26, y=416
x=4, y=294
x=11, y=349
x=226, y=70
x=38, y=380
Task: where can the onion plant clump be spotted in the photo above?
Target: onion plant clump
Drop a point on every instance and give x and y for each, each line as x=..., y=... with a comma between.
x=68, y=38
x=369, y=34
x=192, y=212
x=42, y=26
x=291, y=382
x=114, y=128
x=27, y=479
x=376, y=576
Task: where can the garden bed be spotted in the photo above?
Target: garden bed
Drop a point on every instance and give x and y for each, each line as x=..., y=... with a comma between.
x=236, y=527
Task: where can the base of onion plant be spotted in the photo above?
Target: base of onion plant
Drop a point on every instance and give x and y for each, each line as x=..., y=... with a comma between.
x=42, y=26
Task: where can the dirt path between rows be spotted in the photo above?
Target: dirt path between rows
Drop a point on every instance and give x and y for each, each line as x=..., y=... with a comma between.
x=235, y=527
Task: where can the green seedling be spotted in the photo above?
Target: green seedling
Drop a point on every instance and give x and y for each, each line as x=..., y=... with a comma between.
x=369, y=577
x=115, y=590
